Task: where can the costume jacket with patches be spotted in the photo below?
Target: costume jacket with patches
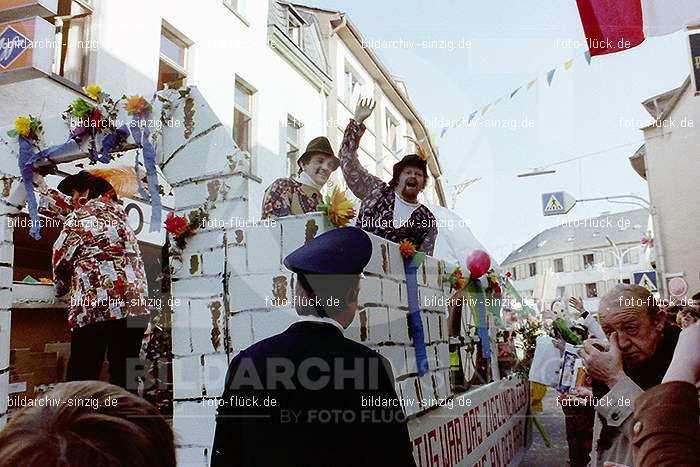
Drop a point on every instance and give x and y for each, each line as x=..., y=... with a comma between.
x=97, y=259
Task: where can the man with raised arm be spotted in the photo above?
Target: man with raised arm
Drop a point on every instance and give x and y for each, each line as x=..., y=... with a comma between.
x=389, y=210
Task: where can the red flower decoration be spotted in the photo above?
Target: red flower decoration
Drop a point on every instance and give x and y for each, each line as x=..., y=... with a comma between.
x=407, y=248
x=176, y=225
x=95, y=120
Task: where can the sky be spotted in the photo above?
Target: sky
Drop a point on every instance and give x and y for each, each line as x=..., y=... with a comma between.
x=456, y=56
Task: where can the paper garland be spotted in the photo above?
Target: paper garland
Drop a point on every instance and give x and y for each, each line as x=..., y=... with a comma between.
x=549, y=75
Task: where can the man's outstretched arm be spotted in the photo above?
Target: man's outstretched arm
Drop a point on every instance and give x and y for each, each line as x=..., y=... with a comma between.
x=359, y=180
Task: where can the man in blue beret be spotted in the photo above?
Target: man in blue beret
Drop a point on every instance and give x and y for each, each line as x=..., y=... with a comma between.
x=310, y=396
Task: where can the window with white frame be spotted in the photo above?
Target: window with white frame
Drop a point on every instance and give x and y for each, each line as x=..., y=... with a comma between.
x=591, y=290
x=391, y=132
x=172, y=68
x=353, y=87
x=73, y=43
x=558, y=264
x=243, y=116
x=293, y=144
x=238, y=7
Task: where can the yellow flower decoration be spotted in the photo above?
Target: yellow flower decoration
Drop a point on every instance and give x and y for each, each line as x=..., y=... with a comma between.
x=407, y=248
x=93, y=91
x=419, y=148
x=340, y=209
x=23, y=126
x=136, y=105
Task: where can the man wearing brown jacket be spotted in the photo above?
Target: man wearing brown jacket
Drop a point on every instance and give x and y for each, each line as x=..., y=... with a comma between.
x=665, y=430
x=640, y=352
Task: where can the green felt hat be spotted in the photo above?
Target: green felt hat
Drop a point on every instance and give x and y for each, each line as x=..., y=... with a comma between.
x=319, y=145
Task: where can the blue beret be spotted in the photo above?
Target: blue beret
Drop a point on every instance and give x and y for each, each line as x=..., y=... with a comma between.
x=346, y=250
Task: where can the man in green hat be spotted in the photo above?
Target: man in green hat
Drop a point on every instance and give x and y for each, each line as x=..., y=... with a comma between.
x=288, y=196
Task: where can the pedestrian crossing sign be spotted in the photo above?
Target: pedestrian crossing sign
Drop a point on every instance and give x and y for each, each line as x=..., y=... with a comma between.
x=646, y=280
x=556, y=203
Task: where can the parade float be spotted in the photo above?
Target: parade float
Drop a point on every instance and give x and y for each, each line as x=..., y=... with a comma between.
x=218, y=283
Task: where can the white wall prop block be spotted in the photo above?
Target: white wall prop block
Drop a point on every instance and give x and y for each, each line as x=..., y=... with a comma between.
x=377, y=325
x=182, y=339
x=237, y=260
x=207, y=324
x=6, y=230
x=4, y=383
x=434, y=323
x=398, y=326
x=379, y=262
x=194, y=422
x=411, y=398
x=353, y=331
x=215, y=369
x=441, y=386
x=5, y=275
x=5, y=299
x=6, y=252
x=443, y=353
x=427, y=390
x=390, y=292
x=264, y=247
x=197, y=287
x=260, y=291
x=269, y=323
x=207, y=154
x=211, y=262
x=5, y=316
x=370, y=290
x=188, y=377
x=225, y=210
x=191, y=457
x=426, y=327
x=432, y=275
x=396, y=354
x=396, y=268
x=411, y=366
x=297, y=230
x=240, y=329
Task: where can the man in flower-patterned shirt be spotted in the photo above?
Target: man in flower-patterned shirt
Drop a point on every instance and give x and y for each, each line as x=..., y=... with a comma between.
x=291, y=197
x=392, y=210
x=96, y=259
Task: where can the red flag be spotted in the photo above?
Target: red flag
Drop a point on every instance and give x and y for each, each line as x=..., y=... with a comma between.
x=611, y=25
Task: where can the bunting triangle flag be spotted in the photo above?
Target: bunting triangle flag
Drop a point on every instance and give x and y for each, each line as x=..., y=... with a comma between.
x=471, y=117
x=587, y=54
x=531, y=84
x=550, y=76
x=444, y=130
x=485, y=109
x=515, y=92
x=498, y=100
x=568, y=64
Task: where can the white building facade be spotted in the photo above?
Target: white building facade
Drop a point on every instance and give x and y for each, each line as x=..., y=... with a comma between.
x=275, y=75
x=670, y=164
x=583, y=258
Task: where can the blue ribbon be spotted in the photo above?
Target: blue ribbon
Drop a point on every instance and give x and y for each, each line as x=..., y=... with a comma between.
x=27, y=158
x=482, y=329
x=149, y=160
x=414, y=320
x=111, y=142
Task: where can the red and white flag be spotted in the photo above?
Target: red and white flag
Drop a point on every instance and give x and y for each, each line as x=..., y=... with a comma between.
x=614, y=25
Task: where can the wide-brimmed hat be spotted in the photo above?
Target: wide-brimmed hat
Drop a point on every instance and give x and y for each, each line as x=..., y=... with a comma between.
x=121, y=180
x=410, y=160
x=319, y=145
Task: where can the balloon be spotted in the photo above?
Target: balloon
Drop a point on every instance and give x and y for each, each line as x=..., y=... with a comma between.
x=478, y=263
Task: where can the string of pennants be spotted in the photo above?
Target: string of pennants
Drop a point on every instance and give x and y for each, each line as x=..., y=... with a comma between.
x=549, y=76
